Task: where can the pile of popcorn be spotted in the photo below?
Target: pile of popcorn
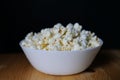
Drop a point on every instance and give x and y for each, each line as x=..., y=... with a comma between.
x=60, y=38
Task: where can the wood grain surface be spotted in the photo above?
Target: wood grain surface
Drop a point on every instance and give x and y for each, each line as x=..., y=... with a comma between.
x=106, y=66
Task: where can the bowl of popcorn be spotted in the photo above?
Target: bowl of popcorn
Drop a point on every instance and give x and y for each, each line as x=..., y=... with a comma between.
x=61, y=50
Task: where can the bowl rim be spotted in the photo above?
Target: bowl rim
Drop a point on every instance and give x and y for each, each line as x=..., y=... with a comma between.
x=101, y=43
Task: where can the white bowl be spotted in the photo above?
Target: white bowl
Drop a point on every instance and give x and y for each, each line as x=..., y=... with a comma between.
x=61, y=62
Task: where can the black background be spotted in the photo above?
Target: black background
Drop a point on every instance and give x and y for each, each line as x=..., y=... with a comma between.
x=19, y=17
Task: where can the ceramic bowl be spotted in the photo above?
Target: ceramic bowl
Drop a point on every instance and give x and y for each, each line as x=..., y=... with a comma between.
x=61, y=62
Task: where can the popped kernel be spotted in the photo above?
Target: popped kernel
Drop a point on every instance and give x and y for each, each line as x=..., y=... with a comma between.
x=60, y=38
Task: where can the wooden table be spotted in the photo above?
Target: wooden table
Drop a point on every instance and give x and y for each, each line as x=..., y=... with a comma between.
x=106, y=66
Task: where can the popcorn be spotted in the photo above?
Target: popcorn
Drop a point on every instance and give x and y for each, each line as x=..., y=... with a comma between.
x=60, y=38
x=77, y=27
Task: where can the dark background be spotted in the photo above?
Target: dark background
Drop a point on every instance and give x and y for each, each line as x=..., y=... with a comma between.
x=19, y=17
